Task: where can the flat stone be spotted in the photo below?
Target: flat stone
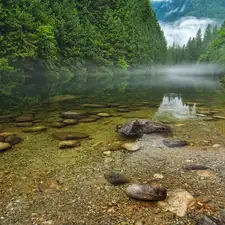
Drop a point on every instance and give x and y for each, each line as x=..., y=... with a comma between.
x=123, y=110
x=57, y=125
x=34, y=129
x=6, y=134
x=24, y=124
x=174, y=143
x=131, y=146
x=93, y=106
x=115, y=178
x=88, y=120
x=13, y=139
x=73, y=114
x=69, y=135
x=70, y=121
x=4, y=146
x=219, y=117
x=196, y=167
x=68, y=144
x=178, y=202
x=25, y=118
x=146, y=192
x=104, y=115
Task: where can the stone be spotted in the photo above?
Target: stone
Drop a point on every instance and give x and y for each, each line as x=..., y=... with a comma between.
x=13, y=139
x=115, y=178
x=57, y=125
x=2, y=139
x=178, y=202
x=158, y=176
x=6, y=134
x=209, y=220
x=68, y=144
x=219, y=117
x=139, y=127
x=48, y=186
x=25, y=118
x=61, y=98
x=206, y=173
x=205, y=112
x=196, y=167
x=146, y=192
x=174, y=143
x=104, y=115
x=70, y=121
x=34, y=129
x=88, y=120
x=69, y=135
x=93, y=106
x=24, y=124
x=123, y=110
x=216, y=146
x=4, y=146
x=131, y=146
x=74, y=114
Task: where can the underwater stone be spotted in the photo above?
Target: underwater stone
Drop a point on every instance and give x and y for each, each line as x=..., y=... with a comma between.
x=57, y=125
x=4, y=146
x=115, y=178
x=104, y=115
x=93, y=106
x=88, y=120
x=74, y=114
x=34, y=129
x=13, y=139
x=24, y=124
x=146, y=192
x=174, y=143
x=70, y=121
x=25, y=118
x=69, y=135
x=68, y=144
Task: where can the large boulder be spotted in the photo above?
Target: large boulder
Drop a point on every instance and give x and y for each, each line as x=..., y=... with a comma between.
x=139, y=127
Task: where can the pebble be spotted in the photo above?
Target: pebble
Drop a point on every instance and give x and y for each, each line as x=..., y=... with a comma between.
x=115, y=178
x=68, y=144
x=4, y=146
x=131, y=146
x=146, y=192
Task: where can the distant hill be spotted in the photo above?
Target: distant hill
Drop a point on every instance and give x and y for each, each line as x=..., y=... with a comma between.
x=172, y=10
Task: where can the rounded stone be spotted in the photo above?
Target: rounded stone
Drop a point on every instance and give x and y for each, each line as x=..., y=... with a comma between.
x=115, y=178
x=68, y=144
x=133, y=147
x=146, y=192
x=70, y=122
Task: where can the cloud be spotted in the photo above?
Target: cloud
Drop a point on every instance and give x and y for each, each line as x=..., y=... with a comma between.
x=181, y=30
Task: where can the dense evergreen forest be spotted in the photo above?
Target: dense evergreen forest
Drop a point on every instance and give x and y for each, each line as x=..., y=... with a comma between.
x=50, y=47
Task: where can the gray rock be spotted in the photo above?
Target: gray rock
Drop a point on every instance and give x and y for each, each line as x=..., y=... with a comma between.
x=116, y=178
x=146, y=192
x=174, y=143
x=139, y=127
x=4, y=146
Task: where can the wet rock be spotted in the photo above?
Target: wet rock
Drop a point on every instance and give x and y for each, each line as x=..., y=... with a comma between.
x=48, y=186
x=70, y=122
x=13, y=139
x=137, y=128
x=69, y=135
x=24, y=124
x=178, y=202
x=174, y=143
x=131, y=146
x=25, y=118
x=209, y=220
x=68, y=144
x=206, y=173
x=57, y=125
x=4, y=146
x=196, y=167
x=93, y=106
x=146, y=192
x=74, y=114
x=34, y=129
x=116, y=178
x=104, y=115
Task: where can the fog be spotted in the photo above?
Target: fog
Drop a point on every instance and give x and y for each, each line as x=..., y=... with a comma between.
x=181, y=30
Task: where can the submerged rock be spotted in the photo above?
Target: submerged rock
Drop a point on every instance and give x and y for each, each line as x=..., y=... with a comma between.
x=174, y=143
x=70, y=121
x=57, y=125
x=178, y=202
x=209, y=220
x=74, y=114
x=139, y=127
x=116, y=178
x=4, y=146
x=131, y=146
x=88, y=120
x=196, y=167
x=146, y=192
x=69, y=135
x=104, y=115
x=93, y=106
x=34, y=129
x=68, y=144
x=13, y=139
x=25, y=118
x=24, y=124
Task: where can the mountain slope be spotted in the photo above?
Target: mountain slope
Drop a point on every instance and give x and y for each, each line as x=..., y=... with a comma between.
x=171, y=10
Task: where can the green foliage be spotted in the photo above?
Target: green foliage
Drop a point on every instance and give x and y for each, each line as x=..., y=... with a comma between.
x=50, y=47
